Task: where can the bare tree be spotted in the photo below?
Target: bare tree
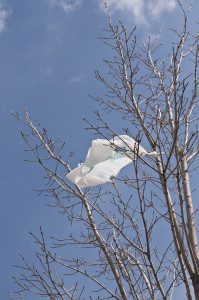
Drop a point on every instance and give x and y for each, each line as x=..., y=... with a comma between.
x=145, y=240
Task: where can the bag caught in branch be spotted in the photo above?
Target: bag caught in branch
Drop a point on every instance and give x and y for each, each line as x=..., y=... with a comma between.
x=105, y=159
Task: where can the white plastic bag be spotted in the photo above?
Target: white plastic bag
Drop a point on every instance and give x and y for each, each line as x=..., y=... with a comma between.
x=105, y=159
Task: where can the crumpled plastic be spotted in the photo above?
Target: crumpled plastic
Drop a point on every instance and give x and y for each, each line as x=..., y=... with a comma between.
x=105, y=159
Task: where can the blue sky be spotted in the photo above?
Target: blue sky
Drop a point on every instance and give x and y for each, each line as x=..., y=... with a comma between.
x=48, y=52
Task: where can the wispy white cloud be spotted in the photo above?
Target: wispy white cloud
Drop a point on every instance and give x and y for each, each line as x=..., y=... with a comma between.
x=78, y=78
x=45, y=74
x=67, y=5
x=133, y=7
x=157, y=7
x=141, y=10
x=3, y=16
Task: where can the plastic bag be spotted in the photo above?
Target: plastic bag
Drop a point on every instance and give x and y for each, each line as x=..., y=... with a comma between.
x=105, y=159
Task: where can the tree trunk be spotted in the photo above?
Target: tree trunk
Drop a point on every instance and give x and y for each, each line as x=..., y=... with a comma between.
x=195, y=282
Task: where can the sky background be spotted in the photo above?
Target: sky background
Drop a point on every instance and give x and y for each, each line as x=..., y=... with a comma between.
x=48, y=53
